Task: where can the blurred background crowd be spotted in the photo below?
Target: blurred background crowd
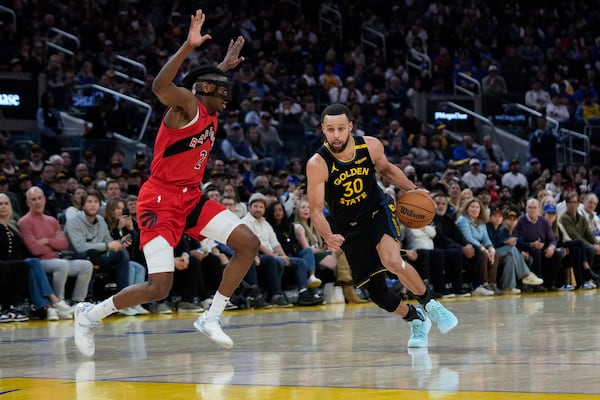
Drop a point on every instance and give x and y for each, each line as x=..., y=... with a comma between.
x=92, y=118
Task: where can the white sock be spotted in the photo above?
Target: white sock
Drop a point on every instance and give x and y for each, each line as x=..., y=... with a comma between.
x=102, y=310
x=218, y=306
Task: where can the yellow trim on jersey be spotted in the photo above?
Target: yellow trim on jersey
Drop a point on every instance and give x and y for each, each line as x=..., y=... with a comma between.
x=355, y=147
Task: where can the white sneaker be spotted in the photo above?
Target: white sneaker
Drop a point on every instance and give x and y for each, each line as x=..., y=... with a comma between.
x=512, y=290
x=314, y=282
x=129, y=311
x=63, y=307
x=212, y=329
x=588, y=285
x=52, y=314
x=140, y=309
x=206, y=303
x=532, y=280
x=65, y=315
x=84, y=330
x=481, y=291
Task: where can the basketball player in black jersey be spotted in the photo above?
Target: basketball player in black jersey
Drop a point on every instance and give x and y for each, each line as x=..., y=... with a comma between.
x=363, y=220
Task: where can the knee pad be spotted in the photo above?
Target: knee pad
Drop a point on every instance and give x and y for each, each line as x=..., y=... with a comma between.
x=159, y=256
x=381, y=294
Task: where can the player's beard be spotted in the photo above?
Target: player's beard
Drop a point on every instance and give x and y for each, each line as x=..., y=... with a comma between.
x=341, y=149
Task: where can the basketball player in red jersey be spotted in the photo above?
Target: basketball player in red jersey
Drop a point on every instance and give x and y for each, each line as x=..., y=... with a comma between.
x=364, y=222
x=171, y=203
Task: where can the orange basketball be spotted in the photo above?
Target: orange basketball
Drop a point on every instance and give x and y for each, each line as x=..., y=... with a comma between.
x=415, y=208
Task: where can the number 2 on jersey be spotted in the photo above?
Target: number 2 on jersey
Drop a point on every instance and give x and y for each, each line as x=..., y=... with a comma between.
x=203, y=155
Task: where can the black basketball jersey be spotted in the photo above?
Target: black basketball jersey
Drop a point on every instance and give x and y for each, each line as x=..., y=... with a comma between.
x=351, y=191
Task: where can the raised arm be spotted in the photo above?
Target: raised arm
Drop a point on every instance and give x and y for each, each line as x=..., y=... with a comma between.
x=386, y=168
x=167, y=92
x=316, y=174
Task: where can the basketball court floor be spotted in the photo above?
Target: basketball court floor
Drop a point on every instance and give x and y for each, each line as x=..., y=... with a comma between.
x=509, y=347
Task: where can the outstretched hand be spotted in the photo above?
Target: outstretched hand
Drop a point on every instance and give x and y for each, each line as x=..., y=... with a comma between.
x=195, y=37
x=232, y=58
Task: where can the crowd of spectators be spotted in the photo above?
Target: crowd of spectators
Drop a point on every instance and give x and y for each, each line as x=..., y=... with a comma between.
x=546, y=56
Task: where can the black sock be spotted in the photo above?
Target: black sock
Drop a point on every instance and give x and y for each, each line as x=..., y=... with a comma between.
x=425, y=297
x=412, y=314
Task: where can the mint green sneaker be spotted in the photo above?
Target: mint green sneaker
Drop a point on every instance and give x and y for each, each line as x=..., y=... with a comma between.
x=419, y=329
x=444, y=319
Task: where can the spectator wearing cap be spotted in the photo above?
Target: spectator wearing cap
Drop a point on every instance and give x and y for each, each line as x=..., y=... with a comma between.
x=493, y=83
x=62, y=198
x=271, y=259
x=514, y=177
x=36, y=160
x=236, y=145
x=535, y=174
x=134, y=182
x=116, y=169
x=81, y=170
x=377, y=125
x=484, y=196
x=536, y=97
x=474, y=178
x=253, y=116
x=542, y=144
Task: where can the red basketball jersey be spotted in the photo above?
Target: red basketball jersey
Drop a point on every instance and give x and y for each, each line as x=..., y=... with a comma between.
x=180, y=155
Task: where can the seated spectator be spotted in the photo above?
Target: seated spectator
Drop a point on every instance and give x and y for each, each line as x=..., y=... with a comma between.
x=464, y=153
x=572, y=251
x=294, y=243
x=538, y=242
x=429, y=261
x=323, y=257
x=13, y=269
x=514, y=177
x=536, y=97
x=188, y=272
x=90, y=239
x=474, y=178
x=122, y=227
x=271, y=259
x=578, y=228
x=456, y=248
x=235, y=145
x=588, y=210
x=471, y=222
x=231, y=201
x=45, y=239
x=509, y=257
x=75, y=206
x=588, y=112
x=493, y=83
